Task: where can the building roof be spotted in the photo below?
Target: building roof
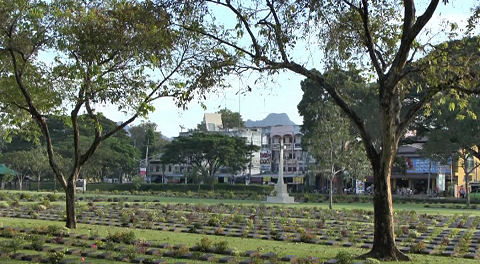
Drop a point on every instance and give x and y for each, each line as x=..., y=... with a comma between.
x=213, y=121
x=5, y=170
x=413, y=148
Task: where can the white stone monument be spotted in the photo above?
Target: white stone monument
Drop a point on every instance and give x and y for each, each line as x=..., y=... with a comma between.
x=281, y=193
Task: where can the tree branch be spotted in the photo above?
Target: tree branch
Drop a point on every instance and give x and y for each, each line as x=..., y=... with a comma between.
x=359, y=123
x=412, y=112
x=278, y=32
x=40, y=121
x=410, y=32
x=363, y=11
x=96, y=141
x=230, y=44
x=245, y=23
x=423, y=19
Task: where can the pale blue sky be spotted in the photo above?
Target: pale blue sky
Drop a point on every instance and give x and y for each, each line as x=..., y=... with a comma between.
x=281, y=96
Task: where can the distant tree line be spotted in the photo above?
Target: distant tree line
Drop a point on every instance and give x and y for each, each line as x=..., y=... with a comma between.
x=117, y=158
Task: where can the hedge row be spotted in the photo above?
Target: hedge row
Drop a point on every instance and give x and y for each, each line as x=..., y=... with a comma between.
x=342, y=198
x=158, y=187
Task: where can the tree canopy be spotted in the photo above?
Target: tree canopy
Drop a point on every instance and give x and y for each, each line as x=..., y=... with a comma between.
x=146, y=133
x=328, y=135
x=453, y=133
x=206, y=153
x=379, y=38
x=231, y=119
x=73, y=57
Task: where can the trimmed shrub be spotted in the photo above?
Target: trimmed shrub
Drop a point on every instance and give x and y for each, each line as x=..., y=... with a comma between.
x=205, y=244
x=372, y=261
x=344, y=257
x=221, y=247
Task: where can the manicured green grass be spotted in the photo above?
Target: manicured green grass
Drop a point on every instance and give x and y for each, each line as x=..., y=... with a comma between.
x=241, y=244
x=419, y=207
x=244, y=244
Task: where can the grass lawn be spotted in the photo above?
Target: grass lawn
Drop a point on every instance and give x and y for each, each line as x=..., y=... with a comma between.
x=241, y=244
x=282, y=248
x=419, y=207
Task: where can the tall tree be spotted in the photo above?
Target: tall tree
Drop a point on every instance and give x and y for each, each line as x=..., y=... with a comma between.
x=231, y=119
x=7, y=175
x=146, y=133
x=104, y=54
x=18, y=161
x=378, y=37
x=455, y=131
x=328, y=134
x=37, y=163
x=207, y=152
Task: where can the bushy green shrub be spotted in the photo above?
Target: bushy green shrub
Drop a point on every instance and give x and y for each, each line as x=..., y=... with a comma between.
x=214, y=220
x=55, y=257
x=418, y=247
x=12, y=245
x=25, y=196
x=372, y=261
x=205, y=244
x=307, y=237
x=344, y=257
x=127, y=237
x=9, y=232
x=238, y=219
x=54, y=230
x=53, y=197
x=221, y=247
x=413, y=233
x=37, y=242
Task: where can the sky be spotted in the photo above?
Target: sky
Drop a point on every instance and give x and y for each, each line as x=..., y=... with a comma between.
x=280, y=96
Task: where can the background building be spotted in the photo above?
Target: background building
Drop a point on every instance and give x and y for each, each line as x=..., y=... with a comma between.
x=263, y=166
x=419, y=170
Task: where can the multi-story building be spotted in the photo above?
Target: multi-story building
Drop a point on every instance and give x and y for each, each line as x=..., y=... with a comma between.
x=472, y=165
x=263, y=165
x=295, y=159
x=177, y=173
x=420, y=171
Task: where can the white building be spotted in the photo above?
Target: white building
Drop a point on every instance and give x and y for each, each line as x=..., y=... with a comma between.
x=263, y=167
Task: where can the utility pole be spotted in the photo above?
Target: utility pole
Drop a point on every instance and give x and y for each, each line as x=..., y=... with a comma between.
x=429, y=172
x=451, y=176
x=250, y=154
x=146, y=159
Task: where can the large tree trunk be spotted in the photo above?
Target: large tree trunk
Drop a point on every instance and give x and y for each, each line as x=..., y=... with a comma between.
x=384, y=246
x=71, y=221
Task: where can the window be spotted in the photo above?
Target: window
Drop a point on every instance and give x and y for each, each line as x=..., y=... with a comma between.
x=470, y=163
